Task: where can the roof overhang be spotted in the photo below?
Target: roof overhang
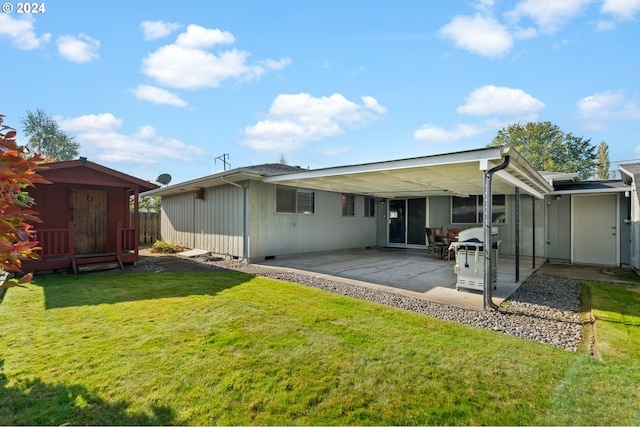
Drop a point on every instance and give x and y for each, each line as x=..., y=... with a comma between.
x=459, y=174
x=621, y=189
x=232, y=177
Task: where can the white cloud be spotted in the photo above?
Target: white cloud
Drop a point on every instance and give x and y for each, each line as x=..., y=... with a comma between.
x=294, y=120
x=372, y=104
x=157, y=29
x=78, y=49
x=197, y=37
x=21, y=32
x=187, y=64
x=104, y=122
x=549, y=15
x=501, y=106
x=330, y=151
x=499, y=100
x=434, y=134
x=605, y=25
x=623, y=9
x=97, y=134
x=595, y=111
x=478, y=34
x=158, y=96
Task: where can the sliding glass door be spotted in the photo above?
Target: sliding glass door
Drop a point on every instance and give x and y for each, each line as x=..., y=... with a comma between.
x=407, y=221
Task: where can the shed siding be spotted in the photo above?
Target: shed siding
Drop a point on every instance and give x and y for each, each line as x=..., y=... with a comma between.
x=274, y=233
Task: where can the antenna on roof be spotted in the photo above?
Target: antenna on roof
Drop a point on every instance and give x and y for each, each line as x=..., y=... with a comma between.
x=164, y=179
x=223, y=159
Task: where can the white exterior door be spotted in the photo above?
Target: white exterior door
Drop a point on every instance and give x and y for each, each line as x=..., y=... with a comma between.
x=595, y=231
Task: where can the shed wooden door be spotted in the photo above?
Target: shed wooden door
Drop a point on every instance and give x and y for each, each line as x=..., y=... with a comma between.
x=89, y=216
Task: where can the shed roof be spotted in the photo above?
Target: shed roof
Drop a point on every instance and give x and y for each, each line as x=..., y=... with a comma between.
x=82, y=171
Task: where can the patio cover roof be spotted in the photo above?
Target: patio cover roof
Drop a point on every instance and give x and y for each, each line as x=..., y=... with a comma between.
x=459, y=174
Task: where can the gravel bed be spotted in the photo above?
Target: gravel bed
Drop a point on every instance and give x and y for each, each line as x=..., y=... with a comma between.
x=544, y=308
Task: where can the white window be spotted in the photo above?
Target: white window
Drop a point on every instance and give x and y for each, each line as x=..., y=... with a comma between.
x=469, y=210
x=369, y=207
x=292, y=200
x=348, y=205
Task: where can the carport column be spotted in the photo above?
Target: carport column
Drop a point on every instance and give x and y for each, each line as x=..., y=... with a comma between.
x=487, y=240
x=517, y=232
x=533, y=232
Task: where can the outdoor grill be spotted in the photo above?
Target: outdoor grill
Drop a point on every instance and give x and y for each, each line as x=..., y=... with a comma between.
x=469, y=251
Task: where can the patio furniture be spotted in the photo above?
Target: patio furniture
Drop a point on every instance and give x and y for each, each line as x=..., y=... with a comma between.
x=437, y=242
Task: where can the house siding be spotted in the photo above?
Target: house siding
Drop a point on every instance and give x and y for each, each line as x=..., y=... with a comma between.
x=528, y=233
x=215, y=223
x=558, y=242
x=625, y=230
x=273, y=234
x=440, y=215
x=177, y=219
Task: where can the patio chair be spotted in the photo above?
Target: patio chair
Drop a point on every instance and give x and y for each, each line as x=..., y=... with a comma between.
x=436, y=241
x=452, y=236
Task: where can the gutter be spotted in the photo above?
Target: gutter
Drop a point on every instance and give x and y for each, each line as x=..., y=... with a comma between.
x=488, y=247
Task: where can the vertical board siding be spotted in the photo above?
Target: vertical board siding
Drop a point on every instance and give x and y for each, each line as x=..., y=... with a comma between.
x=281, y=234
x=176, y=219
x=440, y=214
x=213, y=224
x=507, y=231
x=558, y=239
x=625, y=230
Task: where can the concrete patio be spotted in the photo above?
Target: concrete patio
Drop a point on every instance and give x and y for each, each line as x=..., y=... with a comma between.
x=404, y=271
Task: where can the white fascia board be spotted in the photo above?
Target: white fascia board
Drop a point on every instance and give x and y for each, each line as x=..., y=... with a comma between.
x=592, y=191
x=506, y=176
x=221, y=178
x=494, y=153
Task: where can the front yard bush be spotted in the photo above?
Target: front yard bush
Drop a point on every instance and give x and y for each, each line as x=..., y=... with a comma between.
x=160, y=246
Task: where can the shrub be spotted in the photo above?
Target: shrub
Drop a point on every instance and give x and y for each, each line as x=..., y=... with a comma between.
x=160, y=246
x=17, y=172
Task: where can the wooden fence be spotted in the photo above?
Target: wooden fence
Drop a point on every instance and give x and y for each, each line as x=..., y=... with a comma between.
x=149, y=227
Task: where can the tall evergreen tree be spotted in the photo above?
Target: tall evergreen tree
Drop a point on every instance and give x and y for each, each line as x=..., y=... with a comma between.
x=46, y=138
x=602, y=170
x=547, y=148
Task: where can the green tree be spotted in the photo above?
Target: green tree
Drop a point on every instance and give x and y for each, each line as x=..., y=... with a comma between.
x=549, y=149
x=146, y=204
x=46, y=138
x=602, y=171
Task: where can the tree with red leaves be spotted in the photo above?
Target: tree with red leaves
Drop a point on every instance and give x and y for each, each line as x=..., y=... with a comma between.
x=17, y=172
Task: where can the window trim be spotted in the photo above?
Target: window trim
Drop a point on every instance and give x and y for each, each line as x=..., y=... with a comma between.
x=479, y=208
x=298, y=193
x=348, y=205
x=371, y=203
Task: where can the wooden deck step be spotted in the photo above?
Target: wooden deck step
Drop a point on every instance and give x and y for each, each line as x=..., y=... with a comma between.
x=97, y=267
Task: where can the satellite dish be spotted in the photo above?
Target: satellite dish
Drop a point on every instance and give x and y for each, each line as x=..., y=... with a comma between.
x=164, y=179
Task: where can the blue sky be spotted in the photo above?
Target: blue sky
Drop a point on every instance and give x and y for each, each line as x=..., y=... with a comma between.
x=167, y=86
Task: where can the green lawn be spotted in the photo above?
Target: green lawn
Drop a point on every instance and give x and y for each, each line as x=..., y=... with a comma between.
x=227, y=348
